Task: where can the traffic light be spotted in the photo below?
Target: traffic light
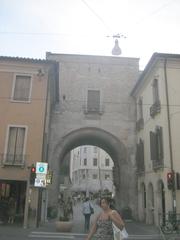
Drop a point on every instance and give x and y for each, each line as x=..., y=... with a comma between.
x=170, y=180
x=32, y=175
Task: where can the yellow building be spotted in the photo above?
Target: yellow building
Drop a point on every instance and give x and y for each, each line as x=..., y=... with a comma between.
x=158, y=137
x=26, y=96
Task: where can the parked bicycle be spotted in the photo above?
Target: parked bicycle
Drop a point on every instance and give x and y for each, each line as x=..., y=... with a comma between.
x=170, y=223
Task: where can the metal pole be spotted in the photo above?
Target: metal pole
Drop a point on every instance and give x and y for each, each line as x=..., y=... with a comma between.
x=99, y=168
x=26, y=210
x=170, y=136
x=38, y=219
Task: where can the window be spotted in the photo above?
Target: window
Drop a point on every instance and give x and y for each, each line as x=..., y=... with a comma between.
x=84, y=176
x=15, y=146
x=156, y=147
x=93, y=101
x=94, y=176
x=140, y=156
x=94, y=161
x=107, y=162
x=85, y=161
x=155, y=90
x=140, y=109
x=140, y=120
x=95, y=149
x=156, y=107
x=107, y=176
x=22, y=88
x=85, y=149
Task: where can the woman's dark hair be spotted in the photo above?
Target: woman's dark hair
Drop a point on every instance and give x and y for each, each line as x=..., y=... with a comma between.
x=109, y=201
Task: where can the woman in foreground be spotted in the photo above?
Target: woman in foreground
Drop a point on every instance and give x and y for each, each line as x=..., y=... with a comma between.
x=102, y=226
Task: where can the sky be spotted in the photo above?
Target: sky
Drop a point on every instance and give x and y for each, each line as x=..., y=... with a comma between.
x=30, y=28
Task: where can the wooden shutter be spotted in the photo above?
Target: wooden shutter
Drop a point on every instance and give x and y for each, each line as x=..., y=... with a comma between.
x=93, y=101
x=22, y=88
x=153, y=145
x=15, y=144
x=141, y=150
x=137, y=156
x=160, y=143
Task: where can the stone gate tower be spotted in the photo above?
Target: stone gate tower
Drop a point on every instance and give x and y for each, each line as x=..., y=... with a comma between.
x=95, y=108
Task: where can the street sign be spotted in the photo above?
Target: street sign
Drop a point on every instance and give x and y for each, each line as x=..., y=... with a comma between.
x=41, y=167
x=41, y=176
x=40, y=182
x=49, y=177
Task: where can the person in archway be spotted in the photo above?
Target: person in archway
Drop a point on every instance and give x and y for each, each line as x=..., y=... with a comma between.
x=11, y=209
x=102, y=226
x=69, y=206
x=87, y=211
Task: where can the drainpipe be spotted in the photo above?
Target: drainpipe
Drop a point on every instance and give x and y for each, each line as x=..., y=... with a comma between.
x=170, y=136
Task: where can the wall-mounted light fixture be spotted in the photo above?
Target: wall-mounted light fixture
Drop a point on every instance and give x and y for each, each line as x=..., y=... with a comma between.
x=40, y=72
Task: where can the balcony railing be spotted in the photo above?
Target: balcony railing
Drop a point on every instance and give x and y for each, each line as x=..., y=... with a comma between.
x=93, y=110
x=157, y=164
x=140, y=169
x=140, y=124
x=155, y=108
x=13, y=159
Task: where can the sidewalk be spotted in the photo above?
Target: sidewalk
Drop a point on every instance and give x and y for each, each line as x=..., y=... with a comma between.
x=133, y=228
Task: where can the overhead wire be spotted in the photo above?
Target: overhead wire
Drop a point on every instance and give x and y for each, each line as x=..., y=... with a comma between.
x=97, y=16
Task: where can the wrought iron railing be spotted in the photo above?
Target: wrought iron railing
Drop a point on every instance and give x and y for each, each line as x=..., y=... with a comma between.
x=157, y=164
x=170, y=222
x=140, y=170
x=140, y=124
x=155, y=108
x=90, y=110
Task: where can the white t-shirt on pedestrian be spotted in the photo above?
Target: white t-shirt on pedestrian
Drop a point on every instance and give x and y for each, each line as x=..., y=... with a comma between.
x=86, y=207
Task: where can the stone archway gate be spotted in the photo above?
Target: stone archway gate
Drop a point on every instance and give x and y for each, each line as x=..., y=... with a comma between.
x=95, y=108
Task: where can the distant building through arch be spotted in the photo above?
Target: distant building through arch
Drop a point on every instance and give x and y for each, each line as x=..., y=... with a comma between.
x=91, y=170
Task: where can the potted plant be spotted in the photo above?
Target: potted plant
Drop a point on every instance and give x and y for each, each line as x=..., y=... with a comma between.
x=64, y=223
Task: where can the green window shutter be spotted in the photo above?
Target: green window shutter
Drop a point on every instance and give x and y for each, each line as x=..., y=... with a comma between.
x=160, y=143
x=153, y=146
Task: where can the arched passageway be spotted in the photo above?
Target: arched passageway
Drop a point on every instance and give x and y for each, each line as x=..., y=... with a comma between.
x=124, y=180
x=161, y=201
x=150, y=197
x=142, y=202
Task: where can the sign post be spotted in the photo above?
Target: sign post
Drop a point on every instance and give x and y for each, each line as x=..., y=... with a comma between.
x=40, y=182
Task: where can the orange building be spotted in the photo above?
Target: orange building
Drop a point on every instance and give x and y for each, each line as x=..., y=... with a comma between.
x=27, y=91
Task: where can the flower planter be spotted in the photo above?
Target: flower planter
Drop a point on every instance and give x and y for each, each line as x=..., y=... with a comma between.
x=62, y=226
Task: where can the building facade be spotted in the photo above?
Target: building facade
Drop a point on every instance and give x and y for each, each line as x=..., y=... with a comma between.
x=95, y=108
x=158, y=135
x=91, y=170
x=25, y=102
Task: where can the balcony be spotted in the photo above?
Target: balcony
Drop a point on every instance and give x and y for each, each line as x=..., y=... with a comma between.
x=93, y=110
x=13, y=159
x=140, y=124
x=140, y=172
x=155, y=109
x=157, y=164
x=140, y=168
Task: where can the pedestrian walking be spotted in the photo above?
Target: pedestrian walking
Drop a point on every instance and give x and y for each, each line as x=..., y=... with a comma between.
x=103, y=225
x=69, y=206
x=11, y=209
x=87, y=211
